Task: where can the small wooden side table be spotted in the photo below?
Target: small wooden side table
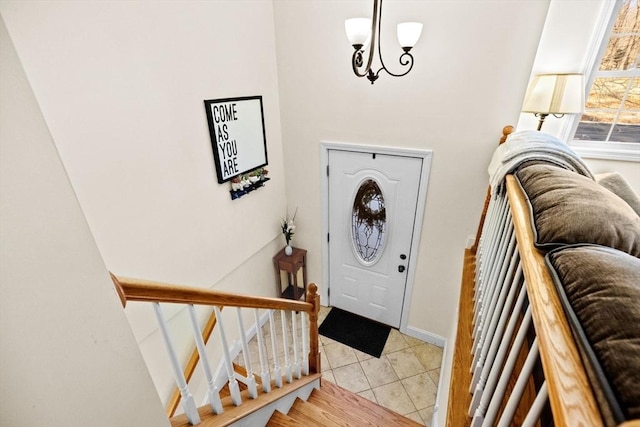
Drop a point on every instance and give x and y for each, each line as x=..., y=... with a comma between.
x=291, y=264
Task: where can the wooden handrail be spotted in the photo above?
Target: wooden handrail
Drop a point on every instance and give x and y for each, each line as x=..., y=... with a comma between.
x=506, y=131
x=571, y=397
x=150, y=291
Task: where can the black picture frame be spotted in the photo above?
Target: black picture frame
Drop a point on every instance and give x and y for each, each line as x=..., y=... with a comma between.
x=238, y=139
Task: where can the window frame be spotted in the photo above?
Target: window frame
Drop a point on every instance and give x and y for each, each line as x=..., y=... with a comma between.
x=627, y=151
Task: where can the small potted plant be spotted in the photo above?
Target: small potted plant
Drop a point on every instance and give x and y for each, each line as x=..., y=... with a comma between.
x=288, y=228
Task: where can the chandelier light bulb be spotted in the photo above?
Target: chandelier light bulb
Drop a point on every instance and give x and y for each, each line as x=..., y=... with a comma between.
x=358, y=31
x=409, y=34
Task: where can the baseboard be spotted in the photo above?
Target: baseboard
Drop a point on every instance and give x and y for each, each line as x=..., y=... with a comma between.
x=442, y=394
x=425, y=336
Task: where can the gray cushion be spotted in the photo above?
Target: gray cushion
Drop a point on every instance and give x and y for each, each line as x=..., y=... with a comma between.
x=616, y=183
x=600, y=291
x=568, y=208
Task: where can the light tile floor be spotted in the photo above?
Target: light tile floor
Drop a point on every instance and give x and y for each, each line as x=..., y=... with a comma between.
x=404, y=379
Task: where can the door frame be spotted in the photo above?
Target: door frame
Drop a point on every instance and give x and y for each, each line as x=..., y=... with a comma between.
x=426, y=156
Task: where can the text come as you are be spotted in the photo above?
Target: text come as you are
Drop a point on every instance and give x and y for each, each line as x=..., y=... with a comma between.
x=236, y=126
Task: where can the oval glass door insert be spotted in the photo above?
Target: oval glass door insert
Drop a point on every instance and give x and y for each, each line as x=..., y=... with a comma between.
x=368, y=222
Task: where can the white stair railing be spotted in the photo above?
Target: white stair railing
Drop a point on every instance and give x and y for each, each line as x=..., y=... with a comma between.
x=290, y=342
x=234, y=388
x=250, y=379
x=285, y=342
x=497, y=312
x=488, y=380
x=264, y=363
x=277, y=372
x=188, y=404
x=297, y=369
x=516, y=394
x=214, y=392
x=305, y=344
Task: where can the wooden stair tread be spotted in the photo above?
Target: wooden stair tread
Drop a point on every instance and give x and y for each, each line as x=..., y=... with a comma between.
x=278, y=419
x=234, y=413
x=313, y=415
x=355, y=410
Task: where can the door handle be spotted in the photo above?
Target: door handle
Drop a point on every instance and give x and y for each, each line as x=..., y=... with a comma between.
x=401, y=268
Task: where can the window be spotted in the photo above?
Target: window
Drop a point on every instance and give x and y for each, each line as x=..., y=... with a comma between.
x=368, y=222
x=612, y=110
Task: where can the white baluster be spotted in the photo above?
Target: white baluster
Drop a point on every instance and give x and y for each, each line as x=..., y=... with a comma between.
x=497, y=261
x=493, y=314
x=188, y=404
x=234, y=389
x=518, y=389
x=500, y=389
x=538, y=405
x=496, y=355
x=496, y=368
x=251, y=379
x=277, y=373
x=495, y=228
x=487, y=232
x=498, y=255
x=285, y=343
x=305, y=344
x=264, y=370
x=214, y=393
x=483, y=248
x=296, y=360
x=489, y=258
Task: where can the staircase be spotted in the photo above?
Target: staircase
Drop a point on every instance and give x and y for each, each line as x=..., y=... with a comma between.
x=332, y=405
x=301, y=403
x=288, y=360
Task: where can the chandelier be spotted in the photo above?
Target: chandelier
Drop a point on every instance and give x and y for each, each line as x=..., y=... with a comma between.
x=363, y=32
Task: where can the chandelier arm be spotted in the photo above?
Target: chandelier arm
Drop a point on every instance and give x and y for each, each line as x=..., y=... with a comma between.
x=356, y=59
x=406, y=61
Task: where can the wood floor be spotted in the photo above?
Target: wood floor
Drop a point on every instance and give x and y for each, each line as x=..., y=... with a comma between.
x=332, y=405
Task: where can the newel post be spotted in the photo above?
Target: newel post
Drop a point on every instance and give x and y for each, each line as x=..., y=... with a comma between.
x=506, y=131
x=314, y=354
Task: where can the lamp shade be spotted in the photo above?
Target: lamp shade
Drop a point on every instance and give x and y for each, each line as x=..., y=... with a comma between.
x=358, y=30
x=555, y=94
x=409, y=33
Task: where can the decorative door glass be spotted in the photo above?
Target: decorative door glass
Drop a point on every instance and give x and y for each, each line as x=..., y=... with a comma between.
x=368, y=222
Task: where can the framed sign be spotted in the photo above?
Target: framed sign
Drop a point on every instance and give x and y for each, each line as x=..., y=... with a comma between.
x=237, y=133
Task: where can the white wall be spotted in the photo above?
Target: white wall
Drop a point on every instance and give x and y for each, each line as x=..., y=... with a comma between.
x=471, y=68
x=121, y=86
x=67, y=355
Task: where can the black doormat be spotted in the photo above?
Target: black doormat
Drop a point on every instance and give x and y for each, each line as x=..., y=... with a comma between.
x=355, y=331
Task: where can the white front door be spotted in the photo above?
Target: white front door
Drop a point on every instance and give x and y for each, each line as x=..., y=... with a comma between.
x=372, y=210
